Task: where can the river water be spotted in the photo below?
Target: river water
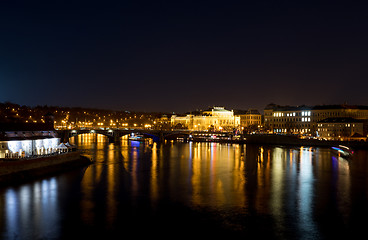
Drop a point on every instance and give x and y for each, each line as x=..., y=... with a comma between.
x=176, y=189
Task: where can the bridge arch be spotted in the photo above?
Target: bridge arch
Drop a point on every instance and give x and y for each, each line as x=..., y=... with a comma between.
x=115, y=134
x=66, y=134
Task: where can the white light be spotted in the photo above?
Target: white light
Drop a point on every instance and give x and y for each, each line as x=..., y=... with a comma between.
x=14, y=146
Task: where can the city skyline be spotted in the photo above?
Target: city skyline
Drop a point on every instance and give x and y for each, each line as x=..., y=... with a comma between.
x=178, y=57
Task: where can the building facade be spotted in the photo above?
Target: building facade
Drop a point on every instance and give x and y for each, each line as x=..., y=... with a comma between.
x=287, y=119
x=304, y=119
x=24, y=140
x=252, y=118
x=343, y=129
x=215, y=119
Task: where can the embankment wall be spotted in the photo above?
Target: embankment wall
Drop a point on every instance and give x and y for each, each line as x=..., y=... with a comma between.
x=19, y=170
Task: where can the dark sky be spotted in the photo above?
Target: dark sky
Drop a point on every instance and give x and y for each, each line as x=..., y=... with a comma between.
x=179, y=56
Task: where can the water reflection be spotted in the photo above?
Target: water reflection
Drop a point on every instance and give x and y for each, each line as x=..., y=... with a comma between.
x=305, y=194
x=31, y=211
x=277, y=192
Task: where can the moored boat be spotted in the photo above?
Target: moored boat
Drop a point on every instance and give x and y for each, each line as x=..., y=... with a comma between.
x=136, y=137
x=343, y=151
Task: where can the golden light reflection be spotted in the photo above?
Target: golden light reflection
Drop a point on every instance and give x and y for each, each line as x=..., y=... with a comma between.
x=217, y=175
x=206, y=174
x=154, y=174
x=111, y=181
x=263, y=180
x=125, y=151
x=93, y=173
x=134, y=169
x=277, y=182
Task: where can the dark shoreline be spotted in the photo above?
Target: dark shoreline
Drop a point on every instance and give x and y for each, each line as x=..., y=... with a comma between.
x=286, y=140
x=19, y=171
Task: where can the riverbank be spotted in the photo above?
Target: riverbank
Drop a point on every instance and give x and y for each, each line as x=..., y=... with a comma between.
x=287, y=140
x=291, y=140
x=20, y=170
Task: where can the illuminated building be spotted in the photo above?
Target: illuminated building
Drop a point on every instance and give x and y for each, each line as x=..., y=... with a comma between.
x=164, y=122
x=252, y=118
x=287, y=119
x=305, y=119
x=215, y=119
x=22, y=140
x=340, y=129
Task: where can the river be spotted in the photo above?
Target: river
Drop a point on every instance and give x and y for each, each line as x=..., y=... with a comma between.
x=177, y=189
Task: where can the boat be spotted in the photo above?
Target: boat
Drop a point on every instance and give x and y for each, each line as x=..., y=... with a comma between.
x=343, y=151
x=136, y=137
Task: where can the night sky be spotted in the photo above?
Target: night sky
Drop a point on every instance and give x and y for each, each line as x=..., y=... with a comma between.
x=178, y=56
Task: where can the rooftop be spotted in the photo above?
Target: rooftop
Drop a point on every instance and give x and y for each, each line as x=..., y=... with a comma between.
x=252, y=111
x=340, y=120
x=276, y=107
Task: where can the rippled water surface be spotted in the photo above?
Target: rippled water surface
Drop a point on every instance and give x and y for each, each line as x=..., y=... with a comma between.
x=190, y=189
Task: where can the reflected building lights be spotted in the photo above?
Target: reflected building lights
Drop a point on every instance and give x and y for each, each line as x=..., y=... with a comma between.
x=32, y=212
x=277, y=187
x=111, y=181
x=305, y=193
x=257, y=180
x=154, y=189
x=134, y=159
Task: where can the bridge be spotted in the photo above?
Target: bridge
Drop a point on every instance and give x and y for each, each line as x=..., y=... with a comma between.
x=114, y=135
